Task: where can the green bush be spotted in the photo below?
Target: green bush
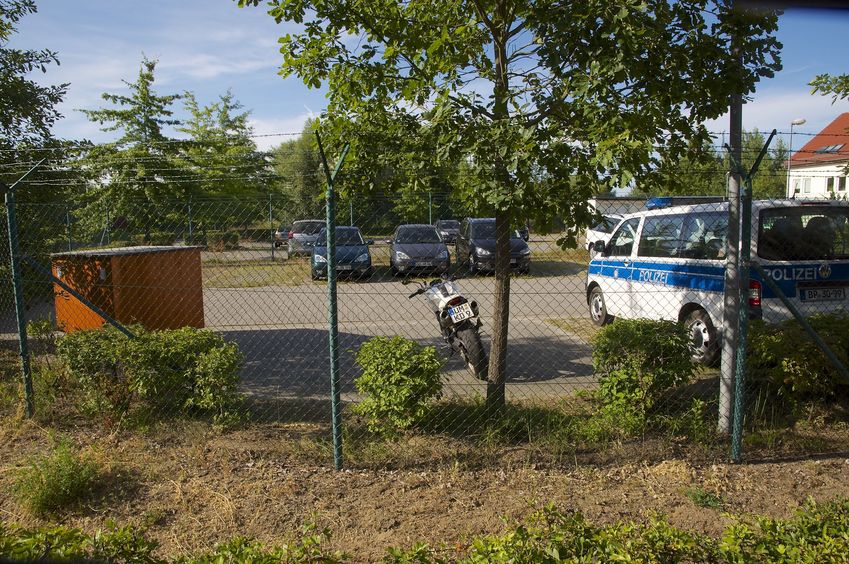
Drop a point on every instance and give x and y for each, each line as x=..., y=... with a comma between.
x=783, y=359
x=176, y=370
x=399, y=379
x=222, y=240
x=93, y=361
x=56, y=480
x=155, y=238
x=64, y=544
x=638, y=361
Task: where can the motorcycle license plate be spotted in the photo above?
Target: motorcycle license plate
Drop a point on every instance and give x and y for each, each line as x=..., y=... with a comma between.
x=460, y=312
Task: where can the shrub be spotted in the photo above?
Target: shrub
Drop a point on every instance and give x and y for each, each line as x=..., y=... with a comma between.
x=174, y=370
x=222, y=240
x=785, y=361
x=64, y=544
x=53, y=481
x=399, y=379
x=93, y=360
x=638, y=361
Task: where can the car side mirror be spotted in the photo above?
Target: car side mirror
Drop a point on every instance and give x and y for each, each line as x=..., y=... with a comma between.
x=388, y=241
x=599, y=247
x=369, y=241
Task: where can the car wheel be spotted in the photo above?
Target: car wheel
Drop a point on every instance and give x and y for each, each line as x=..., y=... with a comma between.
x=314, y=275
x=704, y=343
x=598, y=309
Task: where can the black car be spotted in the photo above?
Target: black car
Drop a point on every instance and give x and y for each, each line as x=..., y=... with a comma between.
x=417, y=247
x=448, y=229
x=476, y=247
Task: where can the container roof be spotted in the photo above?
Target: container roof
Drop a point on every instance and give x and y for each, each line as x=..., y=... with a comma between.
x=123, y=251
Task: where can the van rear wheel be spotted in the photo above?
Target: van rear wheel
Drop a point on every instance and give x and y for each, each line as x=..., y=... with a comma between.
x=704, y=343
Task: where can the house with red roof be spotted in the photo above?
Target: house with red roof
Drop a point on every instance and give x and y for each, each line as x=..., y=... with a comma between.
x=818, y=169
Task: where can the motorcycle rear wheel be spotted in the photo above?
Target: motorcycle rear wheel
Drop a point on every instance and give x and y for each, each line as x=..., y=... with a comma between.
x=472, y=351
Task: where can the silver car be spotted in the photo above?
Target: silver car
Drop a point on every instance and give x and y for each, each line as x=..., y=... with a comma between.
x=302, y=236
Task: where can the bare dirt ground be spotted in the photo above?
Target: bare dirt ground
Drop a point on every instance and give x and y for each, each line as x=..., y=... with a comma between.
x=191, y=488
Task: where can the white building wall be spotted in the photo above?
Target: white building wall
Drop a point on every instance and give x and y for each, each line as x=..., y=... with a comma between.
x=814, y=181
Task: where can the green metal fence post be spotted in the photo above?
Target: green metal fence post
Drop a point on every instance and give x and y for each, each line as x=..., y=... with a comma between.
x=68, y=224
x=191, y=240
x=744, y=266
x=20, y=308
x=430, y=208
x=271, y=224
x=333, y=322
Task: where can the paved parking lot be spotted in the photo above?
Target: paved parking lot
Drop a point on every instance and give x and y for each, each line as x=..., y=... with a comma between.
x=283, y=333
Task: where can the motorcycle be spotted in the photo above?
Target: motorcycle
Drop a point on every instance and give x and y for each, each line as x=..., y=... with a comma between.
x=459, y=321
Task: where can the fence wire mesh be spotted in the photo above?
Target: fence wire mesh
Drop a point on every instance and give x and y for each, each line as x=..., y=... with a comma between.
x=251, y=272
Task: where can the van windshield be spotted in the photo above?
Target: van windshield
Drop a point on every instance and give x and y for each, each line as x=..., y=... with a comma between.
x=804, y=233
x=307, y=227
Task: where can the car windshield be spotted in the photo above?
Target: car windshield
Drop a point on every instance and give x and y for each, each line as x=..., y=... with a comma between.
x=606, y=224
x=345, y=237
x=417, y=235
x=486, y=230
x=804, y=233
x=448, y=224
x=307, y=227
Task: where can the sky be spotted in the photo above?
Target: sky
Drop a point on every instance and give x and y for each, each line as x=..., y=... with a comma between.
x=210, y=46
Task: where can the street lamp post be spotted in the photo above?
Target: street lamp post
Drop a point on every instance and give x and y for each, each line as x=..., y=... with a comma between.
x=795, y=122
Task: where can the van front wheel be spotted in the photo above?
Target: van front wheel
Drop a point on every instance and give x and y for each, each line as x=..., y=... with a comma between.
x=704, y=343
x=598, y=309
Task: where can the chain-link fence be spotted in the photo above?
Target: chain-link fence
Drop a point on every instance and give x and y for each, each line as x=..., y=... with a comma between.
x=256, y=275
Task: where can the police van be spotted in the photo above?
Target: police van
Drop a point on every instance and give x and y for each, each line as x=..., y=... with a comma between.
x=670, y=264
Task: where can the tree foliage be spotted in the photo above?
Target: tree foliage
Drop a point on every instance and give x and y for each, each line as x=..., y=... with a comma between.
x=136, y=176
x=27, y=109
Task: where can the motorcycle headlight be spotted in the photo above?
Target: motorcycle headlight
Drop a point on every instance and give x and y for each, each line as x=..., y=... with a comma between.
x=362, y=258
x=319, y=259
x=483, y=252
x=401, y=256
x=442, y=254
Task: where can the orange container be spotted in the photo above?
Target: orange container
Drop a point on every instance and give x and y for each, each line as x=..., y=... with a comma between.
x=157, y=287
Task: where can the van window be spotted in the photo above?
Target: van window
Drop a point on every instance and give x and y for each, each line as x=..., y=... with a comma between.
x=661, y=236
x=622, y=242
x=804, y=233
x=705, y=236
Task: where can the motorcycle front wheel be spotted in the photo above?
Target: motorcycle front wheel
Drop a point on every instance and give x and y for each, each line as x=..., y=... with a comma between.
x=472, y=351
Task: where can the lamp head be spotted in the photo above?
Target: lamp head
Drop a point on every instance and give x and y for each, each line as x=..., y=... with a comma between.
x=798, y=121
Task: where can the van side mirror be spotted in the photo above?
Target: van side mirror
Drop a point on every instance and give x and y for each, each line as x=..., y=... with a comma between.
x=599, y=247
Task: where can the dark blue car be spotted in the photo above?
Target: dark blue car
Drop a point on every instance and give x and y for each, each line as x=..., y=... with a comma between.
x=352, y=254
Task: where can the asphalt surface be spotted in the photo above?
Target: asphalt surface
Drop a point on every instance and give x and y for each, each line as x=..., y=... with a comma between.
x=283, y=333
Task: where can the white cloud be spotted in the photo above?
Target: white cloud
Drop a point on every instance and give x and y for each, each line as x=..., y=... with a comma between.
x=271, y=132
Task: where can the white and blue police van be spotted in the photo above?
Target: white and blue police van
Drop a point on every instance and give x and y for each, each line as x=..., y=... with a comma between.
x=669, y=264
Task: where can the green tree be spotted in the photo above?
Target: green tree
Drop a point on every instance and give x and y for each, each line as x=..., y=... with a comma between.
x=297, y=166
x=27, y=109
x=138, y=176
x=532, y=94
x=220, y=161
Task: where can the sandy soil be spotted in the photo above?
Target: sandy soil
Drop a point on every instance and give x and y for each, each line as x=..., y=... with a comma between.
x=191, y=489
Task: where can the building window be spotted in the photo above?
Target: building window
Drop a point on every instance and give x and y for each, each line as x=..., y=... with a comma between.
x=829, y=184
x=841, y=183
x=806, y=185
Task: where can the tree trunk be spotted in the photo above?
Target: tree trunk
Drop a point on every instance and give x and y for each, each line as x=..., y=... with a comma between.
x=495, y=389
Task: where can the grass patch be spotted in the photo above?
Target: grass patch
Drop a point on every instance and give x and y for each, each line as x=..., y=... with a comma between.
x=581, y=327
x=54, y=481
x=703, y=498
